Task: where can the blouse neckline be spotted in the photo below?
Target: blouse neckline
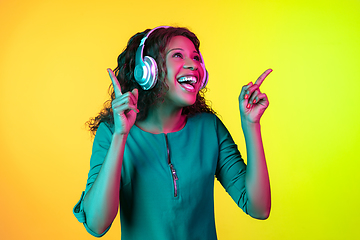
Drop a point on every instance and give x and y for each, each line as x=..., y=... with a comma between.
x=186, y=125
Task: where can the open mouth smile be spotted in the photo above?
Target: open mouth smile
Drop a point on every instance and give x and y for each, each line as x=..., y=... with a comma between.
x=188, y=83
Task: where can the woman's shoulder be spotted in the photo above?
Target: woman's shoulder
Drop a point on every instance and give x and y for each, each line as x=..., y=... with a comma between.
x=105, y=129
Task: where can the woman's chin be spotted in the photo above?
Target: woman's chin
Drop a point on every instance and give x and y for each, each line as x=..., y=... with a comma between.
x=189, y=103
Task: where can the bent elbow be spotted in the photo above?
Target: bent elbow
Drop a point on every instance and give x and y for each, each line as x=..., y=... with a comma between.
x=96, y=231
x=260, y=215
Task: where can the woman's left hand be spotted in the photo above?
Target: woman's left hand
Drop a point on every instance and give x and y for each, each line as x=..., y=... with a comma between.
x=253, y=103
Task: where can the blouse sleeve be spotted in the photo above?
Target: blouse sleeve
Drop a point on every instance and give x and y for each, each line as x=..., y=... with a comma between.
x=231, y=168
x=100, y=148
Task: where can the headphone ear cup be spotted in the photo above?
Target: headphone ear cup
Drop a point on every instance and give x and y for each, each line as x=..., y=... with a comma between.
x=138, y=73
x=205, y=78
x=151, y=75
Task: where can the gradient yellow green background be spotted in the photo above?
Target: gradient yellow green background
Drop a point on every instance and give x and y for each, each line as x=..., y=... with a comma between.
x=53, y=60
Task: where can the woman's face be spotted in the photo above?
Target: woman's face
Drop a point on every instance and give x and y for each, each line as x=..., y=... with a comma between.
x=184, y=72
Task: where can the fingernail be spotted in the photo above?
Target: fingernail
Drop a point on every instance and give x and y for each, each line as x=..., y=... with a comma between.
x=248, y=106
x=246, y=96
x=254, y=101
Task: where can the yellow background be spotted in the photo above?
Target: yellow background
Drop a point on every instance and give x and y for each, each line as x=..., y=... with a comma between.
x=53, y=60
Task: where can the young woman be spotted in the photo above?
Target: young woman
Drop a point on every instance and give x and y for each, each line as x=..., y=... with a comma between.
x=158, y=146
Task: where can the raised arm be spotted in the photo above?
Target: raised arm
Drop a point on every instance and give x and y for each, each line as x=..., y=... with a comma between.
x=102, y=201
x=252, y=104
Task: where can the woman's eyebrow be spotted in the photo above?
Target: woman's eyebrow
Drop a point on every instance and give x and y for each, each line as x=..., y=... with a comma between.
x=173, y=49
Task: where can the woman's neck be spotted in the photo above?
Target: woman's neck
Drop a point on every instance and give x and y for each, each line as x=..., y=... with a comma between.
x=162, y=120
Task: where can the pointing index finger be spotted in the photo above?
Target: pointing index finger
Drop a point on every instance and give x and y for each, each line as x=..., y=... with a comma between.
x=115, y=83
x=260, y=80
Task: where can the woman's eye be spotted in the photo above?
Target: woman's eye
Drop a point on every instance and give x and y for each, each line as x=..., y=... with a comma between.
x=197, y=58
x=178, y=55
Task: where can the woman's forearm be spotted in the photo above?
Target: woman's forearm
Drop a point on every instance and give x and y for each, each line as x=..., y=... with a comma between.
x=257, y=177
x=102, y=201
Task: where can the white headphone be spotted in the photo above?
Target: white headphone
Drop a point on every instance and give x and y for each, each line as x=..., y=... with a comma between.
x=146, y=70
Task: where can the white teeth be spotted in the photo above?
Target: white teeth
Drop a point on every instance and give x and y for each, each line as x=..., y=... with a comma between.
x=190, y=79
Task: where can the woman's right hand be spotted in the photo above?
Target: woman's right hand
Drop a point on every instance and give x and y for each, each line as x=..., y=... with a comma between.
x=124, y=107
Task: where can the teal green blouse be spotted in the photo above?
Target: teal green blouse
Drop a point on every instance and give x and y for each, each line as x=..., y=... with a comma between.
x=167, y=180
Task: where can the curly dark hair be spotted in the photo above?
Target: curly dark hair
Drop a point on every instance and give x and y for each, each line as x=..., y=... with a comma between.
x=155, y=47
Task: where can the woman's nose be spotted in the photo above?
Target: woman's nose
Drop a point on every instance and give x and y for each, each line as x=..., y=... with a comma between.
x=190, y=64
